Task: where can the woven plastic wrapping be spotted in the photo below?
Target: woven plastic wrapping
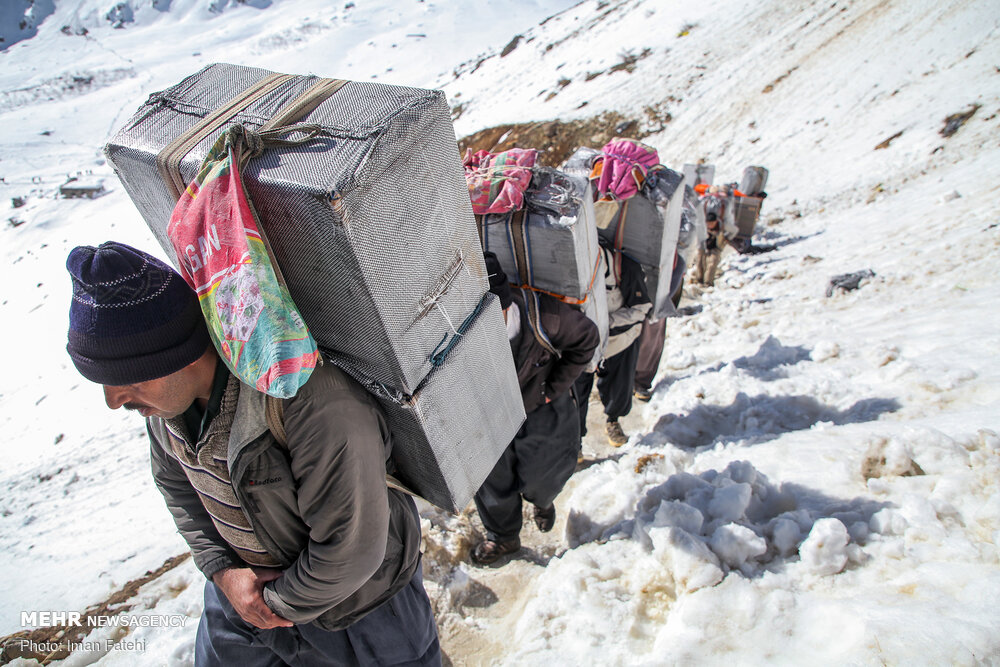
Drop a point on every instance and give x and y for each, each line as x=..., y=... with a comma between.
x=564, y=255
x=652, y=225
x=372, y=228
x=450, y=424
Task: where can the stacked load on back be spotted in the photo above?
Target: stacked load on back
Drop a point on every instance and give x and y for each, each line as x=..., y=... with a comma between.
x=371, y=227
x=546, y=242
x=746, y=208
x=754, y=181
x=645, y=221
x=693, y=231
x=697, y=174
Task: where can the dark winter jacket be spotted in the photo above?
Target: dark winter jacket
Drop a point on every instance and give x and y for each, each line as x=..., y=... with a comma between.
x=319, y=506
x=540, y=374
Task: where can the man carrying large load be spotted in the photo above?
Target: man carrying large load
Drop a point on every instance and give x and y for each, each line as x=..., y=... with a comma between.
x=731, y=213
x=543, y=455
x=304, y=542
x=638, y=204
x=537, y=230
x=342, y=213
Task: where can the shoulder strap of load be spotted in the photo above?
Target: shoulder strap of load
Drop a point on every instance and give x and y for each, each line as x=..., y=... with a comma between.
x=620, y=241
x=522, y=259
x=274, y=413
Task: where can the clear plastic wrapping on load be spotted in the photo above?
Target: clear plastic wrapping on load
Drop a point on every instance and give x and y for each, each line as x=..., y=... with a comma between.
x=652, y=225
x=693, y=231
x=561, y=239
x=696, y=174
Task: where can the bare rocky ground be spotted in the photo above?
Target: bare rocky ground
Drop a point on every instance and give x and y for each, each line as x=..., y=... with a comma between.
x=556, y=140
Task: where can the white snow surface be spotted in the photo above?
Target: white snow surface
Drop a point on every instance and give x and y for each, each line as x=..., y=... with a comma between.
x=815, y=479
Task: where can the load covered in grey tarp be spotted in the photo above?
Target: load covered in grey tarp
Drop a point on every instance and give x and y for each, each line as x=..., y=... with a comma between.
x=649, y=236
x=561, y=239
x=746, y=209
x=372, y=228
x=754, y=181
x=696, y=174
x=652, y=225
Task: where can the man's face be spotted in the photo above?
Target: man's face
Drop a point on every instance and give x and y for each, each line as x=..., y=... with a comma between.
x=163, y=397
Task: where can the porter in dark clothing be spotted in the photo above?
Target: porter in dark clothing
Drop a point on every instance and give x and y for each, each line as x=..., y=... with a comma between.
x=628, y=305
x=542, y=456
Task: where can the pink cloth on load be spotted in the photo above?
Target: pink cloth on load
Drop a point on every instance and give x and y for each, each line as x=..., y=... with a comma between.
x=497, y=181
x=624, y=162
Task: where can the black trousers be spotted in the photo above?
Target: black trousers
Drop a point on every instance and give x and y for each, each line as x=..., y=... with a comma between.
x=615, y=382
x=535, y=466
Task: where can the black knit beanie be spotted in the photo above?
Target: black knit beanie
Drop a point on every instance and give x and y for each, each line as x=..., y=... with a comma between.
x=132, y=317
x=498, y=280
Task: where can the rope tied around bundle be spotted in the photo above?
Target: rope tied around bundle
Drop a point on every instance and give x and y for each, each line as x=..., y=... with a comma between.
x=252, y=143
x=441, y=353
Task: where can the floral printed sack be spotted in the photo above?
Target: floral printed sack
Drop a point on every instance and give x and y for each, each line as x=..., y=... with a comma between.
x=223, y=255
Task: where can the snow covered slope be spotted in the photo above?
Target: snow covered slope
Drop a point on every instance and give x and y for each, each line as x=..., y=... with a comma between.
x=814, y=479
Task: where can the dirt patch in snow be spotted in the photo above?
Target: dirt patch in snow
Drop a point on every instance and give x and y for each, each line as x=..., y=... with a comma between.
x=556, y=140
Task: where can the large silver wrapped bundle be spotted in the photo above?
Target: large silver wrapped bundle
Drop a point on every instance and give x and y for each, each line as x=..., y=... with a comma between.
x=371, y=223
x=560, y=239
x=696, y=174
x=754, y=181
x=745, y=212
x=372, y=228
x=693, y=230
x=649, y=232
x=450, y=433
x=652, y=225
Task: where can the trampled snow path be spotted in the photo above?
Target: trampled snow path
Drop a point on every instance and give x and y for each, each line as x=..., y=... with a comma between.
x=828, y=483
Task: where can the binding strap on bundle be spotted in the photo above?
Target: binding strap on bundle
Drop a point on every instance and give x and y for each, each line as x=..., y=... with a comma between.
x=619, y=242
x=562, y=297
x=517, y=232
x=168, y=161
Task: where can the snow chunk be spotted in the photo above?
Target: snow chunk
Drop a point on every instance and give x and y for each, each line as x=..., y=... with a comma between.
x=786, y=535
x=680, y=515
x=824, y=552
x=735, y=544
x=730, y=502
x=888, y=522
x=691, y=562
